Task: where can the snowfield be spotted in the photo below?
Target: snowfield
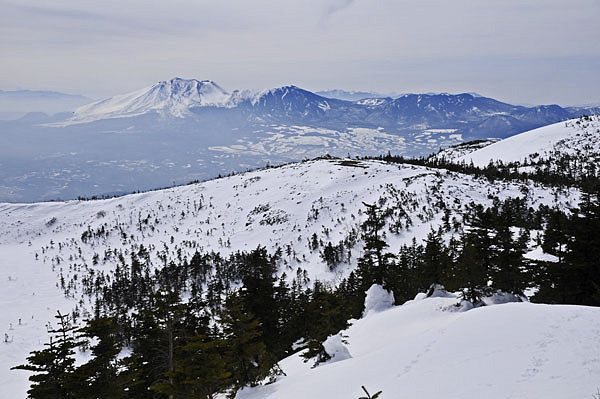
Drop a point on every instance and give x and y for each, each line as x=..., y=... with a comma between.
x=521, y=350
x=428, y=349
x=570, y=137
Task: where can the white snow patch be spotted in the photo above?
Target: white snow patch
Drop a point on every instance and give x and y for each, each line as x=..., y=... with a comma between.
x=564, y=136
x=337, y=348
x=418, y=350
x=378, y=299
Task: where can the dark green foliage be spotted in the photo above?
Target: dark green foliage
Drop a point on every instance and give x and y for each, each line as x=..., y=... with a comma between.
x=54, y=366
x=202, y=371
x=472, y=267
x=436, y=260
x=574, y=239
x=246, y=353
x=374, y=262
x=258, y=294
x=404, y=276
x=99, y=378
x=331, y=310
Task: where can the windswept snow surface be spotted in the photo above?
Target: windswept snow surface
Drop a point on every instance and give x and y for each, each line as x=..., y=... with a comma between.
x=275, y=207
x=565, y=137
x=429, y=349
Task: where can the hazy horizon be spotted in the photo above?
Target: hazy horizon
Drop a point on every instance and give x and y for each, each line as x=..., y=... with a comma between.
x=535, y=52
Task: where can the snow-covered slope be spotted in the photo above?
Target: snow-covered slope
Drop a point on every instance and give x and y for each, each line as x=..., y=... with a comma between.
x=570, y=137
x=275, y=207
x=428, y=349
x=459, y=151
x=174, y=97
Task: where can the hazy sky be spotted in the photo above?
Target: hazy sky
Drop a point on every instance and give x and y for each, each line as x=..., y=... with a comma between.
x=526, y=51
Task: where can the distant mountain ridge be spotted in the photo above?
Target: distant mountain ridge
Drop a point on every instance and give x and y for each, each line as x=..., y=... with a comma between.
x=180, y=130
x=17, y=103
x=476, y=116
x=352, y=95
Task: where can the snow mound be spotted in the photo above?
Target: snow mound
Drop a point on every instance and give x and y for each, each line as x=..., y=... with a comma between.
x=438, y=291
x=418, y=350
x=378, y=299
x=500, y=297
x=335, y=346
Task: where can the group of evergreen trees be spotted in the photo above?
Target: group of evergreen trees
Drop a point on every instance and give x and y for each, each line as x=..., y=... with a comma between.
x=574, y=239
x=487, y=256
x=179, y=344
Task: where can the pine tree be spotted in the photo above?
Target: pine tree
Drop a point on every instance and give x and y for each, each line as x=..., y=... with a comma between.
x=99, y=377
x=575, y=277
x=246, y=353
x=374, y=262
x=471, y=271
x=54, y=366
x=258, y=295
x=327, y=313
x=202, y=369
x=435, y=261
x=508, y=270
x=160, y=335
x=403, y=276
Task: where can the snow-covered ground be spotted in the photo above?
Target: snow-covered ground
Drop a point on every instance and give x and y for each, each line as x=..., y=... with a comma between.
x=276, y=207
x=456, y=152
x=428, y=348
x=570, y=137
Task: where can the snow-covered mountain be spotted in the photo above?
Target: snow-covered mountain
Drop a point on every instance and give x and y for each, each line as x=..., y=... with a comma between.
x=181, y=130
x=352, y=95
x=44, y=243
x=175, y=97
x=576, y=136
x=290, y=104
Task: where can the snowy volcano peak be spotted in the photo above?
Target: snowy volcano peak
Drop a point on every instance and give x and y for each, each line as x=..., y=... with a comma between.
x=202, y=92
x=174, y=97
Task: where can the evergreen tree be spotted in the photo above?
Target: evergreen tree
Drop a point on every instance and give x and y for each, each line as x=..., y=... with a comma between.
x=54, y=366
x=373, y=264
x=404, y=276
x=328, y=313
x=246, y=353
x=202, y=371
x=160, y=335
x=258, y=295
x=471, y=271
x=509, y=269
x=436, y=261
x=574, y=239
x=99, y=376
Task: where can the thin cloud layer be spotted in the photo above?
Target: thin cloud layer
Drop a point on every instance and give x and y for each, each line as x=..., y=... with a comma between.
x=103, y=48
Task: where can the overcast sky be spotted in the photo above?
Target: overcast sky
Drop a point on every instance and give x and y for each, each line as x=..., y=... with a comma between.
x=522, y=51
